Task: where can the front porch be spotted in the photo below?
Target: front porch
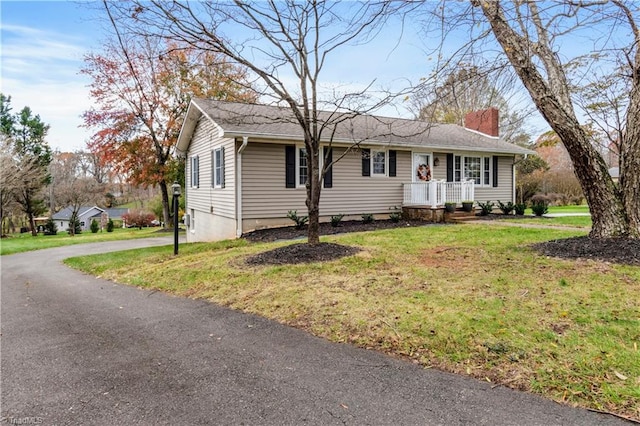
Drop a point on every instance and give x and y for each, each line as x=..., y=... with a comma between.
x=435, y=193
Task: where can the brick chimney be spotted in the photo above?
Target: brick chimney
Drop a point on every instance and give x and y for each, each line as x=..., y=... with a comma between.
x=484, y=121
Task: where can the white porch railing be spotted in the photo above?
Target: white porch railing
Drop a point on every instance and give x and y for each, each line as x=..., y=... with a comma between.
x=435, y=193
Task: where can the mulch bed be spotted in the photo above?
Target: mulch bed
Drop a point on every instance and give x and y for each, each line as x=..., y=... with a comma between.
x=614, y=250
x=302, y=253
x=291, y=233
x=305, y=253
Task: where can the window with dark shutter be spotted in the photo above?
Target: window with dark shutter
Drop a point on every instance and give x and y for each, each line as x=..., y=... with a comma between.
x=392, y=162
x=290, y=166
x=195, y=172
x=449, y=167
x=366, y=162
x=495, y=171
x=328, y=175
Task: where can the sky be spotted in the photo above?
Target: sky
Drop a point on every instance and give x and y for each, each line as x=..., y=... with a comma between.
x=41, y=49
x=42, y=46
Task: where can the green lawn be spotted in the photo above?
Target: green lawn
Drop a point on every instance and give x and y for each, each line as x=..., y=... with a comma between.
x=26, y=242
x=471, y=299
x=576, y=221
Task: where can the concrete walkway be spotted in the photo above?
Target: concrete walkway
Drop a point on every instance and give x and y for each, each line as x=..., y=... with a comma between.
x=80, y=350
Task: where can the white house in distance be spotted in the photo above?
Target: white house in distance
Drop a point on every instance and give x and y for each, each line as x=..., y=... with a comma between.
x=246, y=166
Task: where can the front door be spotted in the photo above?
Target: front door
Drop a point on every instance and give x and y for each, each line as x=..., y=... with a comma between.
x=421, y=175
x=421, y=167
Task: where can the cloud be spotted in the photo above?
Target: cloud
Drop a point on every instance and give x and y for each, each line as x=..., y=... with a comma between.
x=40, y=69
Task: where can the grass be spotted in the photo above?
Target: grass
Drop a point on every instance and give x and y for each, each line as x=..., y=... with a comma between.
x=576, y=221
x=26, y=242
x=469, y=299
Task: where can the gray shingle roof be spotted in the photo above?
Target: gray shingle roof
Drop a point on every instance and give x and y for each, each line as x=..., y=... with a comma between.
x=279, y=123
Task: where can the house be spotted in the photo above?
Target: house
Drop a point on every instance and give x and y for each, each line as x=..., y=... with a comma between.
x=246, y=166
x=85, y=215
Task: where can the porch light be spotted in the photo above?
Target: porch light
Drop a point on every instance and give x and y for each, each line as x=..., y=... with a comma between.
x=436, y=162
x=176, y=189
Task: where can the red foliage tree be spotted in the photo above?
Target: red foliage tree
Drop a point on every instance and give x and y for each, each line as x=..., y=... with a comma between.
x=141, y=89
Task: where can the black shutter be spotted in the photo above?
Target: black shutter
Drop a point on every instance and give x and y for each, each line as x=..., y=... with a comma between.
x=449, y=167
x=366, y=162
x=495, y=171
x=392, y=163
x=290, y=166
x=213, y=168
x=222, y=167
x=328, y=175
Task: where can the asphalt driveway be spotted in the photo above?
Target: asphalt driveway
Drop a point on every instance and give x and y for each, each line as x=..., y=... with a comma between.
x=81, y=350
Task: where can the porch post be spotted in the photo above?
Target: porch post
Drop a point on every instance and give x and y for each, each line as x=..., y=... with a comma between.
x=439, y=201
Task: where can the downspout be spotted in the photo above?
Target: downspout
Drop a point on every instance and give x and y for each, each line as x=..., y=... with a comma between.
x=245, y=141
x=513, y=186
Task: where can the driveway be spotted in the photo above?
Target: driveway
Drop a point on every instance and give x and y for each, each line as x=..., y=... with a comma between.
x=81, y=350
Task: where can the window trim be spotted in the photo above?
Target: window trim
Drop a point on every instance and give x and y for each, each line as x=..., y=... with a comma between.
x=297, y=165
x=372, y=155
x=459, y=169
x=195, y=171
x=217, y=164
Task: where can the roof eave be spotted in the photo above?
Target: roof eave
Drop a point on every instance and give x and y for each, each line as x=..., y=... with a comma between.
x=341, y=141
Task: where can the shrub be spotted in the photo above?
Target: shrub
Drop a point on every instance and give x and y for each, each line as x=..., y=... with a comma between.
x=395, y=215
x=485, y=208
x=300, y=221
x=110, y=225
x=540, y=207
x=520, y=208
x=95, y=227
x=335, y=220
x=367, y=218
x=50, y=227
x=506, y=208
x=138, y=218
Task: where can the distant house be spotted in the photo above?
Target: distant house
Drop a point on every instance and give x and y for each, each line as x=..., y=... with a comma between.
x=85, y=215
x=246, y=166
x=615, y=173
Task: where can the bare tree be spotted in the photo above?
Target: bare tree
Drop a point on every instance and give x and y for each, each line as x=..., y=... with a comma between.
x=448, y=96
x=13, y=174
x=71, y=186
x=531, y=38
x=286, y=46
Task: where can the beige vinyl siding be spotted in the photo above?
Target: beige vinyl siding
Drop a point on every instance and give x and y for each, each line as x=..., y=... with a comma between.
x=504, y=191
x=440, y=172
x=205, y=198
x=265, y=195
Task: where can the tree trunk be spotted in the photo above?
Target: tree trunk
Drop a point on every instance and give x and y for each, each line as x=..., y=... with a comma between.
x=166, y=215
x=609, y=218
x=313, y=195
x=32, y=225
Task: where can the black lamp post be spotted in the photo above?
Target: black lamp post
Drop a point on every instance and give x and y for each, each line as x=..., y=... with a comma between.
x=176, y=195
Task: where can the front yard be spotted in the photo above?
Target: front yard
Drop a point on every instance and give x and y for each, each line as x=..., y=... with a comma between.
x=471, y=299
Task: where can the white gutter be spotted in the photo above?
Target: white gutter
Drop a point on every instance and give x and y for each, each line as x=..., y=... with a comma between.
x=245, y=141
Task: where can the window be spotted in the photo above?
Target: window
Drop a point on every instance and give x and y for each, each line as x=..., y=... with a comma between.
x=472, y=169
x=486, y=170
x=217, y=165
x=477, y=169
x=378, y=163
x=303, y=166
x=195, y=172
